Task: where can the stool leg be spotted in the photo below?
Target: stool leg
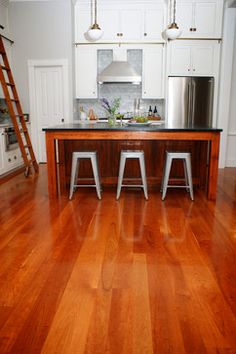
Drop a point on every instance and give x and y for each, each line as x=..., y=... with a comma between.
x=189, y=173
x=164, y=168
x=186, y=175
x=74, y=168
x=96, y=176
x=166, y=176
x=143, y=175
x=121, y=174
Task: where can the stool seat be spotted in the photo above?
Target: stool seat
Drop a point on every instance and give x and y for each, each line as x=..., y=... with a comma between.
x=132, y=154
x=170, y=156
x=76, y=156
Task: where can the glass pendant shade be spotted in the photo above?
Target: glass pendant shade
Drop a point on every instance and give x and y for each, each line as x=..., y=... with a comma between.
x=173, y=30
x=95, y=32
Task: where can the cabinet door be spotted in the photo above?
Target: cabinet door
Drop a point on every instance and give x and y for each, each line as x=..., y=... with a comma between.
x=131, y=24
x=82, y=23
x=180, y=59
x=203, y=60
x=109, y=22
x=205, y=20
x=184, y=18
x=2, y=150
x=153, y=24
x=86, y=72
x=152, y=85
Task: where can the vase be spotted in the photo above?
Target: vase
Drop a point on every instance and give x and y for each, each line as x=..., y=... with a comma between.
x=112, y=120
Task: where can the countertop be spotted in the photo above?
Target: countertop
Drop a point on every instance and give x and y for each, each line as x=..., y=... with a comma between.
x=105, y=126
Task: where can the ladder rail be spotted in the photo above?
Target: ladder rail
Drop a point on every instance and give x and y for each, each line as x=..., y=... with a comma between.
x=15, y=111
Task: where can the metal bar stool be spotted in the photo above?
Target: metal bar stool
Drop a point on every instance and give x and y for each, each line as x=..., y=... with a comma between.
x=186, y=157
x=130, y=154
x=76, y=156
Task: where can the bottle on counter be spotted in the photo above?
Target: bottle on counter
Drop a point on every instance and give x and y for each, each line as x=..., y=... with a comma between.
x=91, y=114
x=155, y=112
x=83, y=115
x=150, y=111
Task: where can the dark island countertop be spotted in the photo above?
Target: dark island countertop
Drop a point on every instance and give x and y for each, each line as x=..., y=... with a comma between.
x=153, y=127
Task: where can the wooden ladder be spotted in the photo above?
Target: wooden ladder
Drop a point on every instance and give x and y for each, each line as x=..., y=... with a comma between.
x=16, y=113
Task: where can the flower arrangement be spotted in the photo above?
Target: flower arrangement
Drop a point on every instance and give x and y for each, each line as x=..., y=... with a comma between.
x=113, y=108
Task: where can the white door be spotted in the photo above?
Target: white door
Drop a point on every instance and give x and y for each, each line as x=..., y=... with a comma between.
x=49, y=103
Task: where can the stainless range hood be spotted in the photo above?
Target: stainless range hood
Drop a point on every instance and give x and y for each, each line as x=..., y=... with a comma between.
x=119, y=71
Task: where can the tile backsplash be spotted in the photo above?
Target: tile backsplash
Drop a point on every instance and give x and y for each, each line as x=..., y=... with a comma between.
x=127, y=92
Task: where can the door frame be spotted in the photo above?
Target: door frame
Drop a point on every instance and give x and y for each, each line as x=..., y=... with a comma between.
x=32, y=66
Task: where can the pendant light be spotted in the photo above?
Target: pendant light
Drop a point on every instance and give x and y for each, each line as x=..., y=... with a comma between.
x=95, y=32
x=173, y=30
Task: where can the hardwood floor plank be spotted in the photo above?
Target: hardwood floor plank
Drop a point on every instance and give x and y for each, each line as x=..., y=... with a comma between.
x=127, y=276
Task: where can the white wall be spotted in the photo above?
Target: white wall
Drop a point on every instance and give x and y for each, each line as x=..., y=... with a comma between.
x=41, y=30
x=225, y=83
x=231, y=146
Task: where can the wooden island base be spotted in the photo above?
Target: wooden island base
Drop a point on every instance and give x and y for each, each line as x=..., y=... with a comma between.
x=202, y=143
x=109, y=155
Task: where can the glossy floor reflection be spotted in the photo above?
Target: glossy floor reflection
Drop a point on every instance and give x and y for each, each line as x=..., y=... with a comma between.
x=127, y=276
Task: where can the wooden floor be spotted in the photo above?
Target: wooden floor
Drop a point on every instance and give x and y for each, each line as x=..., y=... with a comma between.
x=127, y=276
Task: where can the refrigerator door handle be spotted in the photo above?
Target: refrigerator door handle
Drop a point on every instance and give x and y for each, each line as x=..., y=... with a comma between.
x=189, y=105
x=193, y=100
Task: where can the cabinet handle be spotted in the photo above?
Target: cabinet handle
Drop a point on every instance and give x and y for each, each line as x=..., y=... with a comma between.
x=62, y=120
x=194, y=29
x=188, y=69
x=9, y=160
x=121, y=34
x=118, y=34
x=15, y=157
x=194, y=70
x=191, y=29
x=145, y=34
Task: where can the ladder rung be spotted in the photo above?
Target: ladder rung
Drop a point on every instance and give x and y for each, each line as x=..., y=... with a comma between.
x=27, y=146
x=9, y=84
x=5, y=68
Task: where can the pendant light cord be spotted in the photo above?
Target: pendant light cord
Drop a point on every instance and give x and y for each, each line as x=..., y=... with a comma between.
x=95, y=11
x=174, y=11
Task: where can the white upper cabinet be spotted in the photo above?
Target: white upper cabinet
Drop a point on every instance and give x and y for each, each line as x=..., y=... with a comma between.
x=200, y=18
x=86, y=72
x=153, y=72
x=126, y=22
x=154, y=23
x=193, y=58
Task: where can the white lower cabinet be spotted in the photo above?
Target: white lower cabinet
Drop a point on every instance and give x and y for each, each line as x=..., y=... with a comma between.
x=13, y=159
x=1, y=151
x=9, y=160
x=193, y=58
x=153, y=72
x=86, y=72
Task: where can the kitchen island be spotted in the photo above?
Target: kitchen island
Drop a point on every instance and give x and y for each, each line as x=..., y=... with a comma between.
x=203, y=143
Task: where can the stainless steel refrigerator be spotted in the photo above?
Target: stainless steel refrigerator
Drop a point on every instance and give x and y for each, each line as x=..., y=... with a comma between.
x=190, y=101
